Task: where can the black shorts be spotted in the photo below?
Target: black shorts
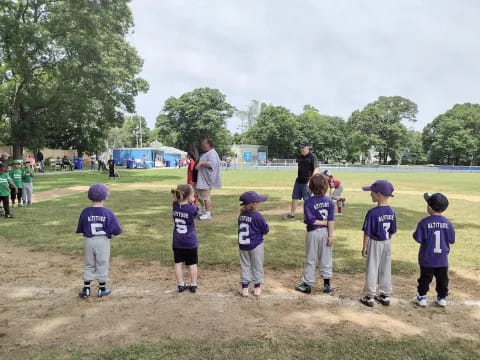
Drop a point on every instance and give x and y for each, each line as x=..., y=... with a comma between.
x=187, y=256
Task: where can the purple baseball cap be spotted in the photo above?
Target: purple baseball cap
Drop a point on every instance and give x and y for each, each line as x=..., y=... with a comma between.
x=438, y=202
x=251, y=197
x=97, y=192
x=383, y=187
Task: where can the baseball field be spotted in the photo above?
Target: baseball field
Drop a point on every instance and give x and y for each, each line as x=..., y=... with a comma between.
x=42, y=317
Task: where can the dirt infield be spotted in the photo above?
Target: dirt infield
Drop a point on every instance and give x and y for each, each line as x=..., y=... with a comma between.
x=40, y=307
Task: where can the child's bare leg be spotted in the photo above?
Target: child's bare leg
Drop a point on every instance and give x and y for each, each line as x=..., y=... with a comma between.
x=179, y=273
x=193, y=273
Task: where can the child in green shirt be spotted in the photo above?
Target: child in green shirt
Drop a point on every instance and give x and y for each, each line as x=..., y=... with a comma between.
x=5, y=183
x=27, y=175
x=16, y=176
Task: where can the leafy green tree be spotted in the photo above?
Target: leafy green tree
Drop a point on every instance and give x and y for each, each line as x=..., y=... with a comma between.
x=326, y=134
x=379, y=125
x=277, y=128
x=163, y=131
x=135, y=129
x=412, y=152
x=199, y=114
x=68, y=72
x=454, y=137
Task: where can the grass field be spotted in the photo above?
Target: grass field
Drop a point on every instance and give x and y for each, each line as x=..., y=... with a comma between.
x=142, y=202
x=147, y=222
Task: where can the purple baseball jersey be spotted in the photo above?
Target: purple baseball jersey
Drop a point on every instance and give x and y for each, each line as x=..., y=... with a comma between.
x=251, y=228
x=98, y=221
x=184, y=233
x=435, y=234
x=318, y=208
x=380, y=223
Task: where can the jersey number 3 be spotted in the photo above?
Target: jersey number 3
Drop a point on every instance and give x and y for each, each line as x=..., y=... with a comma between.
x=243, y=234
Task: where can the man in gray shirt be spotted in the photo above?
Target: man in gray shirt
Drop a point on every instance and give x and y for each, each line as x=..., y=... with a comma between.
x=208, y=167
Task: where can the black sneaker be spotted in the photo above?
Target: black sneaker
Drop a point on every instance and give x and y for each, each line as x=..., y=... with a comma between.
x=289, y=217
x=181, y=288
x=85, y=293
x=304, y=288
x=327, y=289
x=368, y=301
x=383, y=299
x=193, y=288
x=9, y=216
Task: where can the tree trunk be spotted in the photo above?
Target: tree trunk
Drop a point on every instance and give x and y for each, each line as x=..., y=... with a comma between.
x=17, y=152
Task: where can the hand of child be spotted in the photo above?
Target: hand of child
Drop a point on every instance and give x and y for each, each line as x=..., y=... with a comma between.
x=330, y=241
x=364, y=253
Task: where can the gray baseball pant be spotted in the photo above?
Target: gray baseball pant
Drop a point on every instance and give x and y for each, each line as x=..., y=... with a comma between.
x=97, y=258
x=251, y=265
x=316, y=249
x=379, y=268
x=337, y=193
x=27, y=193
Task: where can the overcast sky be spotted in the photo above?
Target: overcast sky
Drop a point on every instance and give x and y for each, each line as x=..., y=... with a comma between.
x=335, y=55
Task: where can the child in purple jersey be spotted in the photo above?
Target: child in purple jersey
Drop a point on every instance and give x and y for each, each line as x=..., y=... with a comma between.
x=251, y=228
x=379, y=226
x=319, y=217
x=435, y=234
x=97, y=224
x=185, y=242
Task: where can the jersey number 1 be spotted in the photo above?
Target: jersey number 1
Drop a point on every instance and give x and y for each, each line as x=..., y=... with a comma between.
x=437, y=249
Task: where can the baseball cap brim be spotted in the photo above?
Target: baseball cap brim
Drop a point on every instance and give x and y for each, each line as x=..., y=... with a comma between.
x=427, y=196
x=367, y=188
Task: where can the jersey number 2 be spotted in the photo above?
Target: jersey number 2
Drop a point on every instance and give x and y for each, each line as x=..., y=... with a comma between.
x=243, y=234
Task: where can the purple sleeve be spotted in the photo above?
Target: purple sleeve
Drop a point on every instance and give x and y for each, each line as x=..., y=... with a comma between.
x=331, y=212
x=417, y=235
x=393, y=227
x=79, y=225
x=451, y=238
x=366, y=223
x=112, y=225
x=264, y=226
x=194, y=210
x=309, y=215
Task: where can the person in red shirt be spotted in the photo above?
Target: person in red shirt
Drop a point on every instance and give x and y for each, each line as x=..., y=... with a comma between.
x=336, y=189
x=192, y=173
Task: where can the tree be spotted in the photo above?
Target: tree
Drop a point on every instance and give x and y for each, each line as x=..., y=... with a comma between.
x=325, y=133
x=136, y=130
x=199, y=114
x=412, y=152
x=163, y=132
x=379, y=126
x=249, y=117
x=454, y=137
x=68, y=72
x=277, y=128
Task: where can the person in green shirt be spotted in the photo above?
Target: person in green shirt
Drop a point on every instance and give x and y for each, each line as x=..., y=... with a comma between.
x=5, y=183
x=16, y=176
x=27, y=175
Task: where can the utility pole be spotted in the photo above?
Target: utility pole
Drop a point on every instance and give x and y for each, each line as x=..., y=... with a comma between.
x=141, y=137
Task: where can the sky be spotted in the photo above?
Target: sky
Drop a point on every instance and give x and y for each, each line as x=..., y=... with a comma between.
x=335, y=55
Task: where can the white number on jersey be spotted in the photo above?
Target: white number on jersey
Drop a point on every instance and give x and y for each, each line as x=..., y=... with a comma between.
x=181, y=226
x=437, y=249
x=243, y=234
x=97, y=229
x=323, y=214
x=386, y=227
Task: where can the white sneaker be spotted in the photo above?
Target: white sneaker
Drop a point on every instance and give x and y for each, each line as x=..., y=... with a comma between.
x=245, y=292
x=442, y=302
x=420, y=301
x=201, y=211
x=205, y=216
x=257, y=291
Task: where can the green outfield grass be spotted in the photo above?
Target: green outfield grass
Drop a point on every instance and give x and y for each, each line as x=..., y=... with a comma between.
x=146, y=220
x=280, y=349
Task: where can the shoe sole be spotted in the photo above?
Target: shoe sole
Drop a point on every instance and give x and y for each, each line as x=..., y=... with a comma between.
x=381, y=301
x=303, y=291
x=367, y=303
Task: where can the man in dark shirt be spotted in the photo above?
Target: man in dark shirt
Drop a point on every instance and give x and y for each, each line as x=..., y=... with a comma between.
x=307, y=166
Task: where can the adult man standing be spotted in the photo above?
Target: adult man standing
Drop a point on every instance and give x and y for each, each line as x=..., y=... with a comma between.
x=307, y=166
x=40, y=161
x=208, y=167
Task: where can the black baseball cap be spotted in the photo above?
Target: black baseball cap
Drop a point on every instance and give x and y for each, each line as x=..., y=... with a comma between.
x=303, y=144
x=438, y=202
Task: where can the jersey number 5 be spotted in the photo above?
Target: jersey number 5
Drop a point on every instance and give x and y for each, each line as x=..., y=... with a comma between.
x=181, y=226
x=243, y=234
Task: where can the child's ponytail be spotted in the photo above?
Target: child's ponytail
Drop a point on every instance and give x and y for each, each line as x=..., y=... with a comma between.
x=182, y=192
